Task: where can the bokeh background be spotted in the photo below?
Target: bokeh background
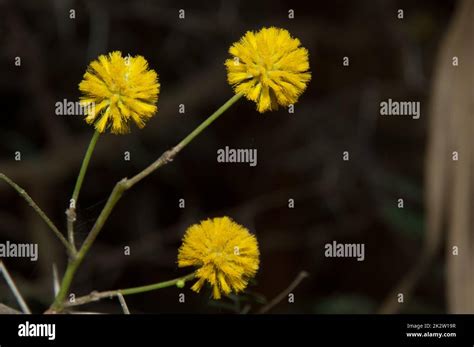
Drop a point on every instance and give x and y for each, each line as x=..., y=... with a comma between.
x=299, y=155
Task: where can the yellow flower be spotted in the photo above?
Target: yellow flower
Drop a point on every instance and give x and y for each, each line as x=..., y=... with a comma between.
x=121, y=89
x=268, y=67
x=224, y=252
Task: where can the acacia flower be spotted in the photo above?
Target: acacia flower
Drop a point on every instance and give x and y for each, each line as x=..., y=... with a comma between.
x=122, y=89
x=225, y=253
x=268, y=67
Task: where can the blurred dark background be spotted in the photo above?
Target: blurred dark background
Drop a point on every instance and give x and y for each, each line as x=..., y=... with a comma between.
x=299, y=155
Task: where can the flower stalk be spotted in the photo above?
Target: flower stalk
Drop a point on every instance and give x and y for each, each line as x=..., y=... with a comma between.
x=96, y=296
x=71, y=211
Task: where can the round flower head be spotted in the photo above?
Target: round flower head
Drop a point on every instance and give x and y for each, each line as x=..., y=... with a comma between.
x=225, y=253
x=268, y=67
x=121, y=90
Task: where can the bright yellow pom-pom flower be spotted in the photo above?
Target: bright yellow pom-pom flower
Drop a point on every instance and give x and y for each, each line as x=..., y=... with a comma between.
x=122, y=90
x=225, y=253
x=268, y=67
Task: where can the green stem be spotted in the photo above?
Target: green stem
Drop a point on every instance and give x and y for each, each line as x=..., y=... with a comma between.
x=209, y=120
x=38, y=210
x=71, y=211
x=77, y=260
x=116, y=194
x=156, y=286
x=180, y=281
x=85, y=164
x=169, y=155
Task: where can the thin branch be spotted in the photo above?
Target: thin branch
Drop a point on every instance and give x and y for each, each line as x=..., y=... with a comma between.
x=38, y=210
x=280, y=297
x=24, y=307
x=123, y=303
x=169, y=155
x=56, y=283
x=70, y=219
x=71, y=211
x=96, y=296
